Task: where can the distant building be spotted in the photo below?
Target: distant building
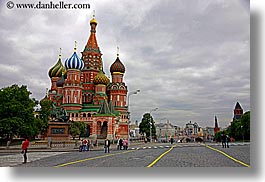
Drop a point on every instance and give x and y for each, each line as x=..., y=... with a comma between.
x=238, y=111
x=216, y=128
x=166, y=130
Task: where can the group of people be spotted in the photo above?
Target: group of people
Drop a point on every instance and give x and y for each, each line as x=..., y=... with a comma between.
x=84, y=145
x=122, y=144
x=225, y=140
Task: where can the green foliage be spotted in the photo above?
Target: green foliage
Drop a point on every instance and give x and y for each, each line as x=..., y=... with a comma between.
x=16, y=112
x=145, y=125
x=240, y=129
x=77, y=128
x=45, y=114
x=217, y=136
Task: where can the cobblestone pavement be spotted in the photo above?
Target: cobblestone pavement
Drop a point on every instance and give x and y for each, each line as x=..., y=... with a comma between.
x=13, y=159
x=183, y=155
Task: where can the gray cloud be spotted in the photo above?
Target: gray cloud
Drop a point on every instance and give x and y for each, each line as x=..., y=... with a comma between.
x=189, y=58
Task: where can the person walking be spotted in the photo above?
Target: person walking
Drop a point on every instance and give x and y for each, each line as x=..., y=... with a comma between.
x=25, y=145
x=171, y=140
x=227, y=141
x=106, y=145
x=80, y=145
x=88, y=144
x=118, y=144
x=125, y=144
x=121, y=143
x=85, y=145
x=224, y=140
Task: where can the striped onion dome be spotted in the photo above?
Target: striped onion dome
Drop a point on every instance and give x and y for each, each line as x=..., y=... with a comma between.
x=101, y=78
x=117, y=66
x=74, y=62
x=57, y=69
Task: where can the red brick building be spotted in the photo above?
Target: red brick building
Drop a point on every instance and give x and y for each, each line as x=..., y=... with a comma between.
x=82, y=89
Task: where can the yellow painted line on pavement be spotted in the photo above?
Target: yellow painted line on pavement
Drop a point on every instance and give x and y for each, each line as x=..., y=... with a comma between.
x=92, y=158
x=225, y=154
x=157, y=159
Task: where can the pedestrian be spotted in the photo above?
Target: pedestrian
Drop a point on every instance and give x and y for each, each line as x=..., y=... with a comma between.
x=121, y=143
x=25, y=145
x=227, y=141
x=85, y=145
x=88, y=145
x=8, y=143
x=223, y=140
x=81, y=143
x=106, y=145
x=125, y=144
x=118, y=144
x=171, y=140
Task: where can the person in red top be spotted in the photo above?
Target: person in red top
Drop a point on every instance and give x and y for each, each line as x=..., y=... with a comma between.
x=24, y=147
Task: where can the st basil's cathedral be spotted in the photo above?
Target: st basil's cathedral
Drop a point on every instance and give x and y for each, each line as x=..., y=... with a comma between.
x=81, y=87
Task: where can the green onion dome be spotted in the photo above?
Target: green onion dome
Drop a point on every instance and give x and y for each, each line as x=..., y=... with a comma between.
x=101, y=79
x=57, y=69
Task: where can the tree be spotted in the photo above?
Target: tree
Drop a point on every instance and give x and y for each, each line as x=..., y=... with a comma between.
x=45, y=114
x=240, y=128
x=16, y=112
x=145, y=125
x=76, y=129
x=245, y=125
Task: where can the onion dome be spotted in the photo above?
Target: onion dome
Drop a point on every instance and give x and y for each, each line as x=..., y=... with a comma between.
x=56, y=70
x=117, y=66
x=93, y=20
x=101, y=78
x=74, y=62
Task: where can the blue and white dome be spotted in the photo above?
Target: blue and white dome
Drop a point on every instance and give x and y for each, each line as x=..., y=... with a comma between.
x=74, y=62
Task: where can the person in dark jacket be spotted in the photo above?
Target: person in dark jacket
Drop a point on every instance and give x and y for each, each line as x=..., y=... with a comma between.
x=223, y=140
x=106, y=145
x=121, y=143
x=24, y=147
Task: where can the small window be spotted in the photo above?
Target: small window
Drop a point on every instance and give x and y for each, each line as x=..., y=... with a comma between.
x=73, y=115
x=76, y=115
x=88, y=115
x=84, y=115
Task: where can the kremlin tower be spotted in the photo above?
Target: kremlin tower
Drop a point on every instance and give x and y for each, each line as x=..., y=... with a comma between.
x=80, y=86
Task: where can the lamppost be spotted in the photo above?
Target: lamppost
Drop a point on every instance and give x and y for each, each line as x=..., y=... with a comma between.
x=151, y=123
x=130, y=93
x=242, y=133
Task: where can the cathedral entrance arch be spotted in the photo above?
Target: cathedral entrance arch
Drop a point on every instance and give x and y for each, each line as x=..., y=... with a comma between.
x=104, y=129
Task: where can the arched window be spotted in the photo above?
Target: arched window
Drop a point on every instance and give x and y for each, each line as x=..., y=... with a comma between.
x=73, y=115
x=84, y=115
x=76, y=115
x=88, y=115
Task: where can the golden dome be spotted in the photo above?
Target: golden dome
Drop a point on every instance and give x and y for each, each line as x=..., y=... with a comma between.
x=101, y=79
x=93, y=21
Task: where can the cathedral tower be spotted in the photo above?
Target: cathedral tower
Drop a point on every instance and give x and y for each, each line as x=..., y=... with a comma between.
x=118, y=94
x=72, y=98
x=238, y=111
x=92, y=63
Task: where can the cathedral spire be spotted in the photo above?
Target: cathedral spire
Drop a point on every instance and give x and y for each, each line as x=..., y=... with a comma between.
x=118, y=51
x=92, y=41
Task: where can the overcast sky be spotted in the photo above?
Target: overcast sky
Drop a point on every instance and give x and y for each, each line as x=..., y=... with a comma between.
x=190, y=59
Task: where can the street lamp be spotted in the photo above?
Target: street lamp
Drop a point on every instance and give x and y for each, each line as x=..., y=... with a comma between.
x=130, y=93
x=242, y=133
x=151, y=123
